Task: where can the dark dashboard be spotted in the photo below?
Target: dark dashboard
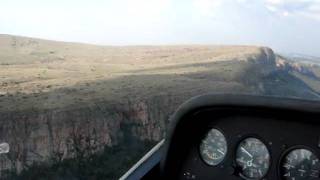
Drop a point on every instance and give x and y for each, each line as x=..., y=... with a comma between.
x=244, y=137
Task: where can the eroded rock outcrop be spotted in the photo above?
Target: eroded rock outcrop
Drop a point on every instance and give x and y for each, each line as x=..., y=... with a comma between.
x=37, y=136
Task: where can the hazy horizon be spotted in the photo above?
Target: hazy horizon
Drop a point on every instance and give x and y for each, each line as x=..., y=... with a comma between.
x=287, y=26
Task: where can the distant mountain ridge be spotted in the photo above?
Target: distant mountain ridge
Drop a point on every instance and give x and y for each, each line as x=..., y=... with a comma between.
x=303, y=58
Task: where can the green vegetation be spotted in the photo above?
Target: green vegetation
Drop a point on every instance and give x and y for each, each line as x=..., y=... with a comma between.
x=109, y=164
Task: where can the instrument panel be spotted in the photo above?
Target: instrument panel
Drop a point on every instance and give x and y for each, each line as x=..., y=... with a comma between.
x=245, y=142
x=253, y=158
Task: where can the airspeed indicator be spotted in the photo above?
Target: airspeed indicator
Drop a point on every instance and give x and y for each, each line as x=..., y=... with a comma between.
x=213, y=147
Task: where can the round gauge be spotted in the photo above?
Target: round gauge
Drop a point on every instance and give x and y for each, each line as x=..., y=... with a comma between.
x=300, y=164
x=213, y=147
x=252, y=158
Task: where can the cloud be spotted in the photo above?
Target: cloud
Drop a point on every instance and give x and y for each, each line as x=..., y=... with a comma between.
x=304, y=8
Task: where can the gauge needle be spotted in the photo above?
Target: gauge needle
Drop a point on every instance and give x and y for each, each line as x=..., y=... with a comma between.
x=220, y=151
x=244, y=150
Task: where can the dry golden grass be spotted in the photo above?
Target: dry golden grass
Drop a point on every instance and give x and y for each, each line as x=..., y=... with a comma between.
x=49, y=72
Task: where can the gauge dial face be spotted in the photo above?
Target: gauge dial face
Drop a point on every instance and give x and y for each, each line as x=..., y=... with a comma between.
x=252, y=158
x=300, y=164
x=213, y=147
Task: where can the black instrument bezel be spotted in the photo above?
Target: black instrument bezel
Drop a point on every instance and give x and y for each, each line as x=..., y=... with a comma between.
x=187, y=128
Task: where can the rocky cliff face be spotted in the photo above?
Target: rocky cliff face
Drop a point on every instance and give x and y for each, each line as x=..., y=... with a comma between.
x=44, y=136
x=141, y=108
x=294, y=66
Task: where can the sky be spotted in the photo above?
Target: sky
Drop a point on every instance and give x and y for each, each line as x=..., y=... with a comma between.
x=287, y=26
